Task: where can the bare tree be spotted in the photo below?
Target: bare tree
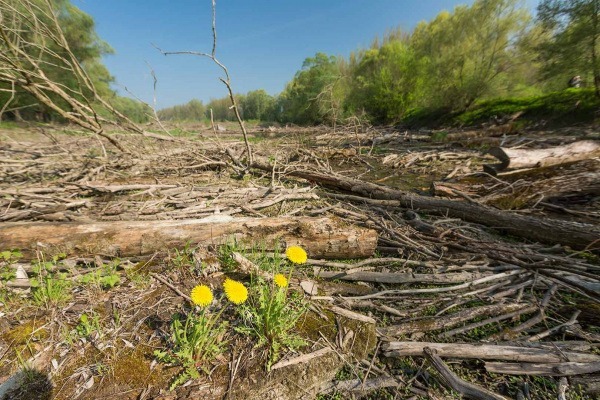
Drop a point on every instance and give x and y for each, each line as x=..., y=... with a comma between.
x=32, y=43
x=226, y=80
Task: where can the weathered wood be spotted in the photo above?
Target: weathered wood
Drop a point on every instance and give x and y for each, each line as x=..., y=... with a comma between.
x=359, y=386
x=435, y=323
x=352, y=315
x=534, y=158
x=545, y=230
x=526, y=192
x=489, y=352
x=321, y=237
x=390, y=277
x=467, y=389
x=545, y=369
x=303, y=358
x=589, y=383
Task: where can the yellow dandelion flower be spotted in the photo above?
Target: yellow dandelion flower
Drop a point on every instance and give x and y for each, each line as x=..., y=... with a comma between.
x=235, y=291
x=201, y=295
x=280, y=280
x=296, y=254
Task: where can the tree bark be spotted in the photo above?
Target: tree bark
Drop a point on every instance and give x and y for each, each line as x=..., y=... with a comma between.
x=489, y=352
x=404, y=278
x=545, y=369
x=546, y=230
x=429, y=324
x=321, y=237
x=536, y=158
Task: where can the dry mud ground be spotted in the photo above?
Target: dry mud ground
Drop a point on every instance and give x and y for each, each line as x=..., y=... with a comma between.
x=433, y=278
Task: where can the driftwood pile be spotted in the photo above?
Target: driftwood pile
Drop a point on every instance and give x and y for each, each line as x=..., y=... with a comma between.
x=445, y=285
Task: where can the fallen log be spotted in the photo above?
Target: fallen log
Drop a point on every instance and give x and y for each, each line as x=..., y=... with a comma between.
x=545, y=369
x=489, y=352
x=321, y=237
x=511, y=158
x=546, y=230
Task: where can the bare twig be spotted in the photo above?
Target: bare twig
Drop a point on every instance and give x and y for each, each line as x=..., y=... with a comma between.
x=467, y=389
x=226, y=81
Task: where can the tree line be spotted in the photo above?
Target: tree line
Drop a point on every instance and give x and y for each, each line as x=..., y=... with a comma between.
x=491, y=49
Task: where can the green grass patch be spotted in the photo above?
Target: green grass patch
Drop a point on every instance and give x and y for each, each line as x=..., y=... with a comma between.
x=564, y=107
x=557, y=108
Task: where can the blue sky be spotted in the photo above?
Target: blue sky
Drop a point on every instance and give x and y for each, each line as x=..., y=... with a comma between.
x=262, y=42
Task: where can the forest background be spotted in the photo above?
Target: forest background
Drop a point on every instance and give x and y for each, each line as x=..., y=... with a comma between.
x=492, y=57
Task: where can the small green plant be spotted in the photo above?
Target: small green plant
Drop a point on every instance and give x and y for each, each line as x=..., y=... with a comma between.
x=196, y=340
x=271, y=316
x=182, y=258
x=106, y=277
x=7, y=259
x=51, y=289
x=439, y=136
x=88, y=325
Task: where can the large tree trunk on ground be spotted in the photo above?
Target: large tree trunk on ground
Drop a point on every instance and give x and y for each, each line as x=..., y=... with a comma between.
x=546, y=230
x=536, y=158
x=321, y=237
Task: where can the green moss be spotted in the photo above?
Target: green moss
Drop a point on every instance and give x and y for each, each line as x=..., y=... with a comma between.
x=25, y=333
x=133, y=368
x=311, y=326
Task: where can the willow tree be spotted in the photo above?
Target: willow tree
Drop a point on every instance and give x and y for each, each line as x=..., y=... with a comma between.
x=574, y=44
x=300, y=100
x=465, y=53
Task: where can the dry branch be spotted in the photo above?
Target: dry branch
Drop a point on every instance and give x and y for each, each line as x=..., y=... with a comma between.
x=546, y=230
x=467, y=389
x=226, y=81
x=360, y=386
x=390, y=277
x=448, y=321
x=303, y=358
x=24, y=62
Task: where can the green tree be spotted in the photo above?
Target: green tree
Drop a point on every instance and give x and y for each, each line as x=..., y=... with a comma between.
x=573, y=46
x=258, y=104
x=221, y=109
x=385, y=82
x=299, y=100
x=194, y=110
x=464, y=54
